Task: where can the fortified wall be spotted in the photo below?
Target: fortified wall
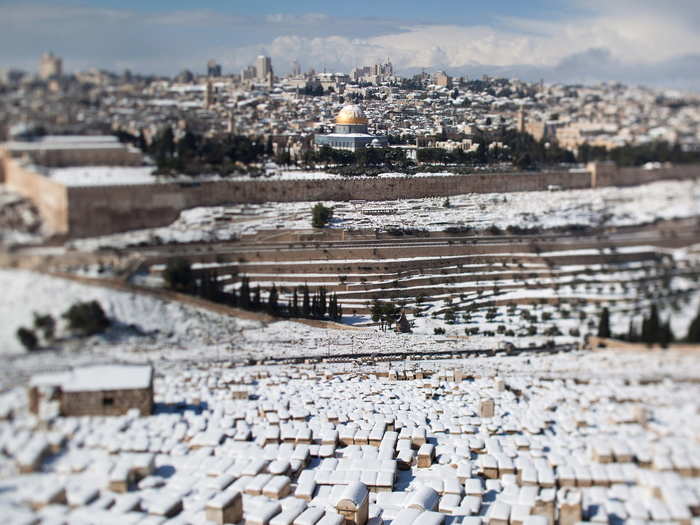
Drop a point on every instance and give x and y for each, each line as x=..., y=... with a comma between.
x=49, y=197
x=120, y=208
x=605, y=174
x=83, y=211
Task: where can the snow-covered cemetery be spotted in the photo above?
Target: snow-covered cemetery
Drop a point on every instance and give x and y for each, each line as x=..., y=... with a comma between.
x=605, y=437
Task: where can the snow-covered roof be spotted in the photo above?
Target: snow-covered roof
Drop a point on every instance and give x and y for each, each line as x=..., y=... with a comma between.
x=97, y=378
x=103, y=175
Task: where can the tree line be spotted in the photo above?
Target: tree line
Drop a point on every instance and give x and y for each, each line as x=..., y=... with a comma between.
x=651, y=331
x=639, y=154
x=178, y=276
x=195, y=154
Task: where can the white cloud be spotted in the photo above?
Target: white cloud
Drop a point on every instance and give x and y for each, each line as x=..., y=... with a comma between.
x=636, y=34
x=307, y=18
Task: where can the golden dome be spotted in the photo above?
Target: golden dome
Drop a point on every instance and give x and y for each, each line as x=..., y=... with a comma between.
x=351, y=114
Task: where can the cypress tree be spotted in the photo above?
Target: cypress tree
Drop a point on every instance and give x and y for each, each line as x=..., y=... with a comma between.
x=209, y=287
x=376, y=311
x=217, y=287
x=202, y=286
x=644, y=336
x=231, y=297
x=179, y=277
x=256, y=298
x=631, y=334
x=693, y=335
x=244, y=293
x=272, y=299
x=666, y=334
x=604, y=324
x=141, y=143
x=654, y=326
x=314, y=306
x=322, y=308
x=306, y=306
x=333, y=307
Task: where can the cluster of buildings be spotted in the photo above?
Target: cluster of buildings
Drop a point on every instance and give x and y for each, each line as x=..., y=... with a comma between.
x=610, y=116
x=429, y=110
x=374, y=74
x=54, y=120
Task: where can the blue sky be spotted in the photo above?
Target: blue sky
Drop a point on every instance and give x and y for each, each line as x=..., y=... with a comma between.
x=463, y=11
x=637, y=41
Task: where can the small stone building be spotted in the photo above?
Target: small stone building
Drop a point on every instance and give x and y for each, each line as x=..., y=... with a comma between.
x=101, y=390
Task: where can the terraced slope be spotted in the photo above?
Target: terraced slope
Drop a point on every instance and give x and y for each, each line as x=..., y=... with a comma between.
x=625, y=270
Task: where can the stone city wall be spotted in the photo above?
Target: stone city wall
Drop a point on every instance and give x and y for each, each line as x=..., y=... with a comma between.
x=97, y=210
x=100, y=210
x=50, y=197
x=607, y=174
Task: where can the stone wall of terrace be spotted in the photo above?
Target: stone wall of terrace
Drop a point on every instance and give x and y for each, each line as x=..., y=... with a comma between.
x=292, y=260
x=433, y=266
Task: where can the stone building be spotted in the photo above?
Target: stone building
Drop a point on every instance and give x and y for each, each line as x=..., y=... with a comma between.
x=74, y=150
x=440, y=78
x=263, y=68
x=50, y=66
x=101, y=390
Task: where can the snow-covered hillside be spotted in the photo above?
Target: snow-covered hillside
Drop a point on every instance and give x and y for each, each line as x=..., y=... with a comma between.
x=169, y=323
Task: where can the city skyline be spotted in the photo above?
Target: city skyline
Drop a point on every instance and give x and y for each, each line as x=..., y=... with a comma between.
x=574, y=41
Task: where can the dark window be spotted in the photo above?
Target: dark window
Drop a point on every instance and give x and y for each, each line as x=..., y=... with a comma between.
x=107, y=401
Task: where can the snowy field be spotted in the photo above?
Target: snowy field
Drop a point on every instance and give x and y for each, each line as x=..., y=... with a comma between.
x=604, y=437
x=163, y=323
x=594, y=207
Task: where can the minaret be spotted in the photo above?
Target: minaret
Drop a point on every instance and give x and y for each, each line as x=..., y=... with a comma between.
x=231, y=124
x=521, y=120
